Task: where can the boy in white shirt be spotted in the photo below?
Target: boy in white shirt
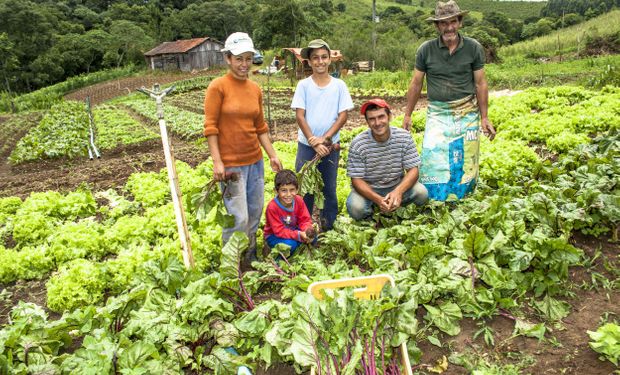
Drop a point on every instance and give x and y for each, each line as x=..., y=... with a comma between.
x=321, y=103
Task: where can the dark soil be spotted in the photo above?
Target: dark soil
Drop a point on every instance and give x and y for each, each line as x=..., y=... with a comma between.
x=566, y=349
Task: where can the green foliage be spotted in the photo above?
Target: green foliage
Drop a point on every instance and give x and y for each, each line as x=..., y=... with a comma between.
x=121, y=271
x=503, y=161
x=592, y=7
x=446, y=317
x=77, y=204
x=569, y=39
x=115, y=127
x=62, y=132
x=606, y=341
x=185, y=123
x=27, y=264
x=77, y=240
x=8, y=208
x=47, y=97
x=566, y=141
x=36, y=219
x=128, y=230
x=33, y=228
x=77, y=284
x=9, y=205
x=520, y=73
x=342, y=331
x=379, y=83
x=148, y=188
x=561, y=117
x=505, y=246
x=311, y=182
x=287, y=22
x=541, y=27
x=26, y=343
x=207, y=203
x=609, y=76
x=519, y=10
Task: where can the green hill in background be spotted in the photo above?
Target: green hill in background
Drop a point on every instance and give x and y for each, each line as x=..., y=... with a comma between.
x=519, y=10
x=73, y=39
x=572, y=39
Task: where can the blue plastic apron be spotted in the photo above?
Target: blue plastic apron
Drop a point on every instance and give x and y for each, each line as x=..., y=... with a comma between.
x=451, y=148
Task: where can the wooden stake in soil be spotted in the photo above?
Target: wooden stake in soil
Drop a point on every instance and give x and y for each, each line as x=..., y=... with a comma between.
x=188, y=256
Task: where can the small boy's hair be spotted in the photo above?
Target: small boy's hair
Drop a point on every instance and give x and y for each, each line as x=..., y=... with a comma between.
x=286, y=177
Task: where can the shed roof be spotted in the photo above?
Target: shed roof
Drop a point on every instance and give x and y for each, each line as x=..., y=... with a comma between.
x=180, y=46
x=335, y=54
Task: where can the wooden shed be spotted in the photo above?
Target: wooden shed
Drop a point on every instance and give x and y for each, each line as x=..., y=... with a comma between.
x=298, y=67
x=186, y=55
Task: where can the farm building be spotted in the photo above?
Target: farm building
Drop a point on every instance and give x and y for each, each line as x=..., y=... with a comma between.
x=298, y=68
x=186, y=55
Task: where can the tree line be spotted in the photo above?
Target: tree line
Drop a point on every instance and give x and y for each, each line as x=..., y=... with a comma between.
x=584, y=8
x=43, y=41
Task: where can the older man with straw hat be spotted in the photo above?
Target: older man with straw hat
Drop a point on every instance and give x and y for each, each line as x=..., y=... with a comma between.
x=458, y=101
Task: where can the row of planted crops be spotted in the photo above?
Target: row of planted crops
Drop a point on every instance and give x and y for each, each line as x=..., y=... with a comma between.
x=112, y=258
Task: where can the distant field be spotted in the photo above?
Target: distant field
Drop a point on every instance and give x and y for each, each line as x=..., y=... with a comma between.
x=514, y=9
x=570, y=39
x=520, y=73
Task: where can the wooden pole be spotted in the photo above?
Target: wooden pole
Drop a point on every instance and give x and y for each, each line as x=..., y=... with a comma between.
x=173, y=179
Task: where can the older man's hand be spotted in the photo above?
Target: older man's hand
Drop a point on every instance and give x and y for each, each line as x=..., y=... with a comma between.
x=487, y=128
x=407, y=122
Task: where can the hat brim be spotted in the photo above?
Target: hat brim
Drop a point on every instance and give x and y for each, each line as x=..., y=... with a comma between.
x=305, y=52
x=434, y=19
x=380, y=104
x=239, y=51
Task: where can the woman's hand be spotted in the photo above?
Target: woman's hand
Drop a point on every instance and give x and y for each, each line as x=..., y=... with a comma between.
x=275, y=163
x=219, y=171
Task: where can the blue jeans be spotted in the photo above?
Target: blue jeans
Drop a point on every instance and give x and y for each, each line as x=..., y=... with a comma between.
x=328, y=167
x=244, y=200
x=360, y=208
x=273, y=240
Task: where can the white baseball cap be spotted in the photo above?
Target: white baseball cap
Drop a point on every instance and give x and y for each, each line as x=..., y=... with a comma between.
x=238, y=43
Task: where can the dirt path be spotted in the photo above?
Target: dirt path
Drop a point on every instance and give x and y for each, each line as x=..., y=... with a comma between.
x=111, y=89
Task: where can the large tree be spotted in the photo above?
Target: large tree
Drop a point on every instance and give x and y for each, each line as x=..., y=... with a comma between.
x=288, y=22
x=30, y=28
x=9, y=64
x=128, y=43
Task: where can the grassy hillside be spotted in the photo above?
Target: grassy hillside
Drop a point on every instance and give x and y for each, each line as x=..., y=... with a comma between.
x=519, y=10
x=513, y=9
x=567, y=40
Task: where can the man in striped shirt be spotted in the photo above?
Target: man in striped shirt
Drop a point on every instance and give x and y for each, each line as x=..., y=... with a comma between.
x=383, y=165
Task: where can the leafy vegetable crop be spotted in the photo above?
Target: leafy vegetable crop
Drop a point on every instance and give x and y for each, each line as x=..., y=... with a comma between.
x=130, y=306
x=63, y=131
x=606, y=340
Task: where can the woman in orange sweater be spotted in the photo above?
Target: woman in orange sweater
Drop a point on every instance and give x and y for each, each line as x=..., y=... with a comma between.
x=235, y=129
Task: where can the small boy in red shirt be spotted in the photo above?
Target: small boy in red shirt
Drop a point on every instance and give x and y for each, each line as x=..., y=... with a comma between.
x=287, y=216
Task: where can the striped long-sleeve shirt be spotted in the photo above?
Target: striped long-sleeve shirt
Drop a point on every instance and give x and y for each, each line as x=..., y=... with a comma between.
x=382, y=164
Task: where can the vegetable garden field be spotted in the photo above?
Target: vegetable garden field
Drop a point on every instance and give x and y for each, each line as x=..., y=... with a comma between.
x=521, y=277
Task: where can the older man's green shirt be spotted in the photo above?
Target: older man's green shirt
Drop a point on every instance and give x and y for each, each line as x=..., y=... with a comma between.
x=450, y=76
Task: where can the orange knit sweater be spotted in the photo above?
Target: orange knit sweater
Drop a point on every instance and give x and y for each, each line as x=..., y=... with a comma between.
x=234, y=112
